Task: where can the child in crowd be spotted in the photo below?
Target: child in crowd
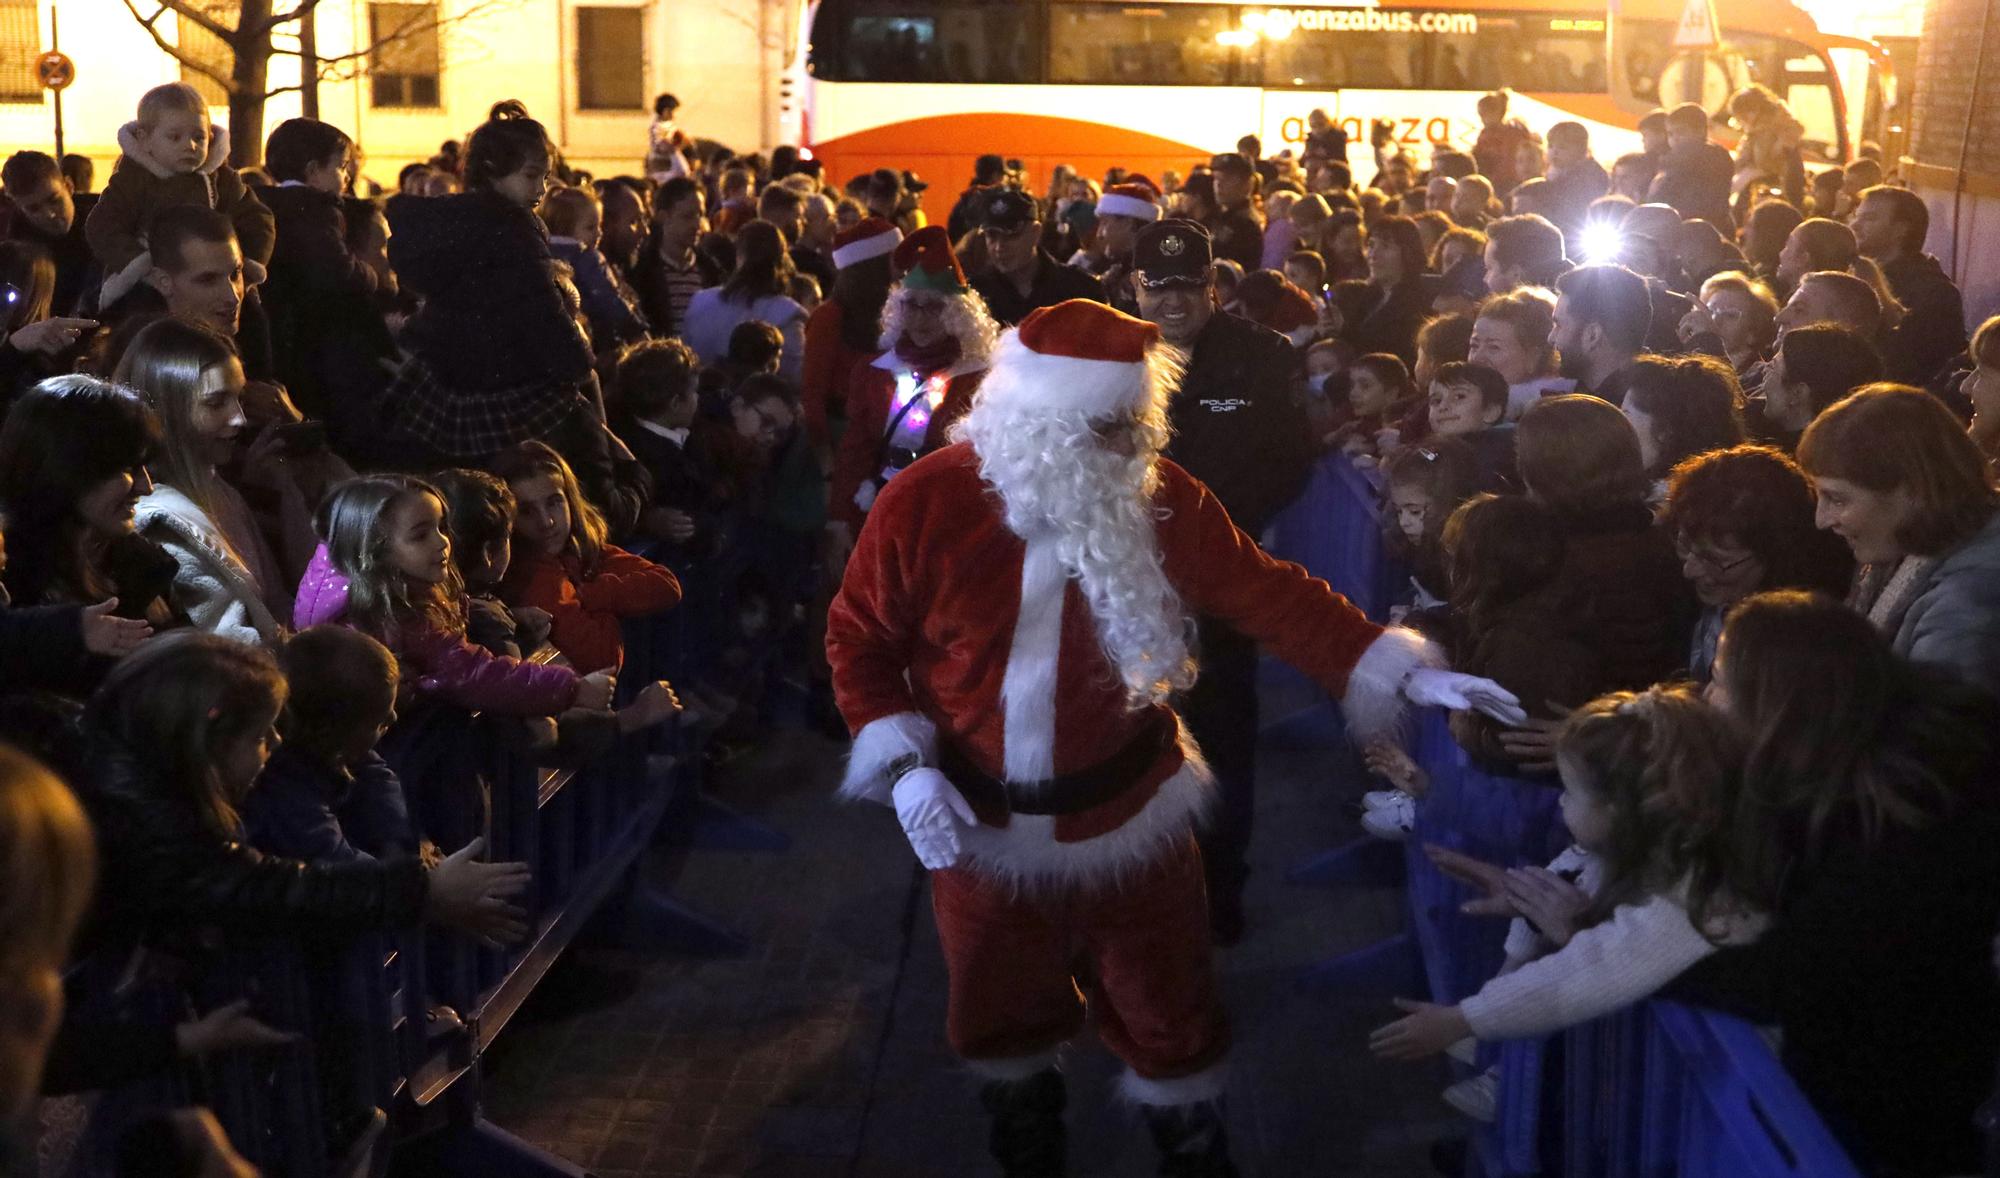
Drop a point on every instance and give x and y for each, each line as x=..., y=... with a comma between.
x=1326, y=400
x=480, y=511
x=575, y=220
x=172, y=156
x=1378, y=392
x=655, y=409
x=328, y=339
x=1424, y=484
x=1469, y=402
x=565, y=567
x=1649, y=785
x=384, y=567
x=1508, y=623
x=179, y=734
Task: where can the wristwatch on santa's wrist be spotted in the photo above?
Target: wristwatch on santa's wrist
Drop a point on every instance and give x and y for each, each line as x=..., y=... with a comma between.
x=903, y=765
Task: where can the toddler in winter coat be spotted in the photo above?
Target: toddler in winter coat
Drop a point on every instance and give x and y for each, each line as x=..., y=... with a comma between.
x=172, y=156
x=566, y=569
x=384, y=567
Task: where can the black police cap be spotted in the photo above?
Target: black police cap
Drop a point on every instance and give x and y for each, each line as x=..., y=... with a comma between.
x=1173, y=252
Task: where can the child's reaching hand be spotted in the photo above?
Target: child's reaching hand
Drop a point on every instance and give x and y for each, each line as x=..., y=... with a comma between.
x=1388, y=761
x=594, y=691
x=1549, y=902
x=228, y=1028
x=1490, y=878
x=655, y=703
x=1424, y=1030
x=107, y=634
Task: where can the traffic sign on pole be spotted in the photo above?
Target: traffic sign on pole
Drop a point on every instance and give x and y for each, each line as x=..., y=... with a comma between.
x=1698, y=28
x=55, y=69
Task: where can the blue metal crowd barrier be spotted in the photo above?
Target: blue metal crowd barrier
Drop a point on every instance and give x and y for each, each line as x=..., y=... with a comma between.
x=409, y=1015
x=1656, y=1090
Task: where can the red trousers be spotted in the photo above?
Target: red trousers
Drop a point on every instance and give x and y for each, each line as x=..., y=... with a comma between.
x=1013, y=954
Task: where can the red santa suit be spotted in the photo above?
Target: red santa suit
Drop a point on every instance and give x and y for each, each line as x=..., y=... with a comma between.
x=886, y=390
x=955, y=639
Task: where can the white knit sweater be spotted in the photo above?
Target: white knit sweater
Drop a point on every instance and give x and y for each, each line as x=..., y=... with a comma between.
x=1642, y=947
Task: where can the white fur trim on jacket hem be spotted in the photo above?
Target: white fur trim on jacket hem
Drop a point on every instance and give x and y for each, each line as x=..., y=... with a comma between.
x=1019, y=1067
x=880, y=742
x=1205, y=1085
x=1025, y=853
x=1374, y=704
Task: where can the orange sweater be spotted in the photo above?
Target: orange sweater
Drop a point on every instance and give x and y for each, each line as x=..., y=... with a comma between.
x=587, y=614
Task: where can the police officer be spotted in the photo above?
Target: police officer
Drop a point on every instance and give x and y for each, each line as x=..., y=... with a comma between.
x=1234, y=227
x=1019, y=276
x=1237, y=429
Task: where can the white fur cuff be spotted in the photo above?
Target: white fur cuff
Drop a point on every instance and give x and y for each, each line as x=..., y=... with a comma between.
x=1374, y=703
x=1019, y=1067
x=1204, y=1085
x=880, y=742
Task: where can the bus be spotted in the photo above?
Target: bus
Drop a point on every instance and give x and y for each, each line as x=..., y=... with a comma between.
x=928, y=85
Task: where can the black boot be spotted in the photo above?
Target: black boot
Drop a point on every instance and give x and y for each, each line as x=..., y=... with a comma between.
x=1192, y=1138
x=1028, y=1136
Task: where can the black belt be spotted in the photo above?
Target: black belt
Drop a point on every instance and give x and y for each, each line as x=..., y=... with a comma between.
x=1067, y=793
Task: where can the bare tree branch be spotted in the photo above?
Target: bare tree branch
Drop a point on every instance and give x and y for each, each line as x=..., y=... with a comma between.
x=151, y=25
x=303, y=10
x=329, y=66
x=185, y=11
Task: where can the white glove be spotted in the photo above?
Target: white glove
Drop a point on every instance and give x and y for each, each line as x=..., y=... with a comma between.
x=932, y=810
x=1461, y=693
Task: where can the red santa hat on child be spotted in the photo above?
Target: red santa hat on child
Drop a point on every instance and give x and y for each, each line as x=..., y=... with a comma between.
x=1134, y=198
x=1079, y=354
x=871, y=237
x=925, y=261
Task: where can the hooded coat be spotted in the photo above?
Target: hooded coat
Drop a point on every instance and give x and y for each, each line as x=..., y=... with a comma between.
x=140, y=188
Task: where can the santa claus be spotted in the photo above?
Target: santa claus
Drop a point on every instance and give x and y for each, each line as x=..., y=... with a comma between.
x=1012, y=629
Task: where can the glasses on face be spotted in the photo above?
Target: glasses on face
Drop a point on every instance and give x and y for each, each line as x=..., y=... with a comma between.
x=1706, y=557
x=923, y=306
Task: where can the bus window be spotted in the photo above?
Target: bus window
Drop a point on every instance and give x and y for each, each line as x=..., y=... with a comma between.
x=918, y=41
x=1384, y=49
x=1140, y=45
x=1798, y=75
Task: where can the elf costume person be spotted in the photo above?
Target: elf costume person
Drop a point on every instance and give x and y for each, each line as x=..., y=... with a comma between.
x=1013, y=626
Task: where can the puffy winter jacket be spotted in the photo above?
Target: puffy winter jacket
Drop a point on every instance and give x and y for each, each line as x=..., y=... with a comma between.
x=213, y=586
x=444, y=664
x=586, y=614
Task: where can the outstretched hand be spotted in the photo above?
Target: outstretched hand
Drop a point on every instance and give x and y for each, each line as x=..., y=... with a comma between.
x=1490, y=878
x=1424, y=1030
x=477, y=898
x=108, y=634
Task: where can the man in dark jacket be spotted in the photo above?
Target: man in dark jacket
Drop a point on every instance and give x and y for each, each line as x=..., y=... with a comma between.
x=47, y=213
x=1019, y=277
x=987, y=173
x=1890, y=226
x=1234, y=229
x=673, y=267
x=1236, y=429
x=1695, y=174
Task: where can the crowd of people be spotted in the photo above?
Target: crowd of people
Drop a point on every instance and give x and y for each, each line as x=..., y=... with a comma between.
x=1691, y=453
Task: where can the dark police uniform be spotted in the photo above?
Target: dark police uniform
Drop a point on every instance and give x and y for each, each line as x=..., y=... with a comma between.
x=1009, y=210
x=1238, y=430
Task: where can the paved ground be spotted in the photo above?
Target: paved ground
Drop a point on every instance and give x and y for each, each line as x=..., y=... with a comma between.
x=820, y=1052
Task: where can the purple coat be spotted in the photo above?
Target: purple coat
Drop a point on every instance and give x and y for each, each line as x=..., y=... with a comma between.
x=442, y=663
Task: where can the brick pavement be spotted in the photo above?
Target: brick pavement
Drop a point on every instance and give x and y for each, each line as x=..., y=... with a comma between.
x=820, y=1053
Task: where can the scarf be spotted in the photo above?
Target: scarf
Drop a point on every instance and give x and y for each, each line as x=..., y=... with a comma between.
x=924, y=361
x=1884, y=593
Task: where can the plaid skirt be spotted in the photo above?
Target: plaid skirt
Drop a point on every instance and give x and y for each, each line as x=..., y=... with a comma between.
x=469, y=425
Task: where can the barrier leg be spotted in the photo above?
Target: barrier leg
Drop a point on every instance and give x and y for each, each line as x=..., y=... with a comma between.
x=703, y=824
x=1363, y=863
x=644, y=918
x=1389, y=967
x=478, y=1150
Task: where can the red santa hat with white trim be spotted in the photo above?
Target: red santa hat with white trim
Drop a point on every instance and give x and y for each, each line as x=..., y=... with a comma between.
x=1135, y=199
x=871, y=237
x=1079, y=354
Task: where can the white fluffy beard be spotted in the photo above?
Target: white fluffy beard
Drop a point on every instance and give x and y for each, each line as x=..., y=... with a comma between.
x=1055, y=481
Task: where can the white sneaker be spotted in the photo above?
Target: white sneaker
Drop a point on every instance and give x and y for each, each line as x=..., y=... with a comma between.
x=1394, y=821
x=1478, y=1097
x=1375, y=799
x=1465, y=1051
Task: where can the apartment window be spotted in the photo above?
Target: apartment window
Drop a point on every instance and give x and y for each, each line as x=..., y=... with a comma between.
x=202, y=46
x=611, y=58
x=20, y=45
x=404, y=62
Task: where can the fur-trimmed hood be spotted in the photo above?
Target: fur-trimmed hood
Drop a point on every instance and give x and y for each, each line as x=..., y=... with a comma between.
x=218, y=150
